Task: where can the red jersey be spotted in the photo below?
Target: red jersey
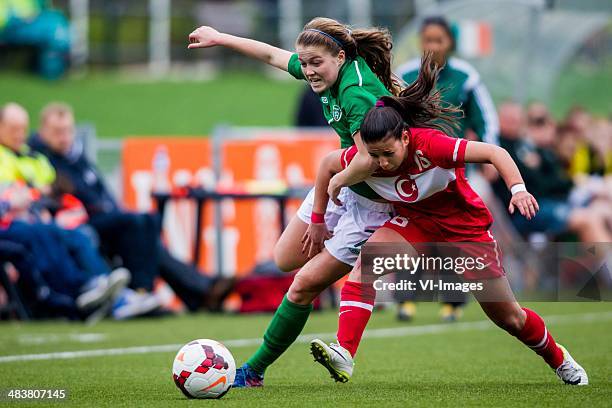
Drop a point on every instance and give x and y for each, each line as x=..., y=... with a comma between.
x=430, y=187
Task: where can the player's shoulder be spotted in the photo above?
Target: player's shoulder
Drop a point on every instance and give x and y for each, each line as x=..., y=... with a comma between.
x=430, y=141
x=353, y=95
x=472, y=77
x=423, y=135
x=356, y=77
x=356, y=73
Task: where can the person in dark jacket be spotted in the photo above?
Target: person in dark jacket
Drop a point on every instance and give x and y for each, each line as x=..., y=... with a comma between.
x=134, y=237
x=309, y=112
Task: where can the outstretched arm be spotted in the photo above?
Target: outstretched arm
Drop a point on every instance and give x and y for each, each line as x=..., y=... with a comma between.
x=206, y=37
x=478, y=152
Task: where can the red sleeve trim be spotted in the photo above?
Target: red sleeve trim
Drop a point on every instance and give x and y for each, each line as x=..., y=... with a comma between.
x=459, y=151
x=347, y=156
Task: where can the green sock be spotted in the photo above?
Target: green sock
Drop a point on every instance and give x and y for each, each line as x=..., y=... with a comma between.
x=286, y=325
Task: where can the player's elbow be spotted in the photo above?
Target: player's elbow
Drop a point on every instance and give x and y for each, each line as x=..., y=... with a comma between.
x=366, y=163
x=331, y=162
x=495, y=154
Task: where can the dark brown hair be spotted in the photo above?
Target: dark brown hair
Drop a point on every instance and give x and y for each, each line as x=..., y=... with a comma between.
x=418, y=105
x=372, y=44
x=442, y=23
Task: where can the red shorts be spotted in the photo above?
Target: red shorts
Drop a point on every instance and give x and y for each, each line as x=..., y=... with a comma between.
x=485, y=254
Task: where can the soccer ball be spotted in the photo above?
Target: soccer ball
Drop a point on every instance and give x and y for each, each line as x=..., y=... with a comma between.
x=204, y=369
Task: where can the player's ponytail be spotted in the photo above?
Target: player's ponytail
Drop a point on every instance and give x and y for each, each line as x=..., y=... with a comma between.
x=418, y=105
x=372, y=44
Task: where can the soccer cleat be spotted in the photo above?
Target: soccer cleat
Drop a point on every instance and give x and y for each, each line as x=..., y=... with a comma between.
x=335, y=358
x=570, y=371
x=406, y=311
x=246, y=377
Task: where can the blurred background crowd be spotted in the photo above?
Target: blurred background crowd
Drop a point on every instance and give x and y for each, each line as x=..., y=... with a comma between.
x=68, y=245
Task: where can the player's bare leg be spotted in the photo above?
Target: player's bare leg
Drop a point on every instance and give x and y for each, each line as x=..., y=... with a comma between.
x=288, y=254
x=318, y=274
x=498, y=302
x=291, y=316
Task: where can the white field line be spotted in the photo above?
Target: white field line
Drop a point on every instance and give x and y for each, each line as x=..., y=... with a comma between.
x=305, y=338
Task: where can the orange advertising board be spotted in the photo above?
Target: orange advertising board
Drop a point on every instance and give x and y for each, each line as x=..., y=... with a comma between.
x=255, y=225
x=250, y=227
x=160, y=164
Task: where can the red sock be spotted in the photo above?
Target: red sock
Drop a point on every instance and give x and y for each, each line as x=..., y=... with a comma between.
x=356, y=304
x=536, y=336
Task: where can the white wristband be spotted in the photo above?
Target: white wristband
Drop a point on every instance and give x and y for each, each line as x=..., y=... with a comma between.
x=517, y=188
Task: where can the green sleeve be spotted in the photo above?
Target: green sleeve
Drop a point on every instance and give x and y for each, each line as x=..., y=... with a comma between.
x=356, y=102
x=295, y=67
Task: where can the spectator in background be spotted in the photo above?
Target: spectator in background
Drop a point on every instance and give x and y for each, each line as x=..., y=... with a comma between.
x=32, y=23
x=592, y=154
x=529, y=143
x=19, y=163
x=459, y=82
x=69, y=276
x=460, y=85
x=134, y=237
x=512, y=138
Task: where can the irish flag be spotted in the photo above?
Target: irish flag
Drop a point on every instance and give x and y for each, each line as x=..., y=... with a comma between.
x=474, y=38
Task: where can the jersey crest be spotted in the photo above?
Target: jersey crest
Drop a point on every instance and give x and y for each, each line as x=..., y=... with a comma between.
x=406, y=189
x=336, y=113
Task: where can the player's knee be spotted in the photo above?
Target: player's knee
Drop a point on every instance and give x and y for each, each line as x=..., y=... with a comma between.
x=299, y=295
x=303, y=290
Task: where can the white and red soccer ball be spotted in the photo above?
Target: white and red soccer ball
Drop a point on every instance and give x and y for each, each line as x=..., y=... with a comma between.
x=204, y=368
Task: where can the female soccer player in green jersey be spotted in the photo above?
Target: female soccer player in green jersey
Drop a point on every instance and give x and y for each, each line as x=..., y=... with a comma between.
x=349, y=70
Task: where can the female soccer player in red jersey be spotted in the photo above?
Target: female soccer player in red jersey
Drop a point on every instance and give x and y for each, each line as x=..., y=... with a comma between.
x=349, y=69
x=421, y=171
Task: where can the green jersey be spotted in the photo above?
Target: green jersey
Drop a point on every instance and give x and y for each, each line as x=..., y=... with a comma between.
x=462, y=87
x=346, y=103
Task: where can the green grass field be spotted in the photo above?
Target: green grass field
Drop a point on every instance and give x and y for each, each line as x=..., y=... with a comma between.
x=120, y=105
x=425, y=363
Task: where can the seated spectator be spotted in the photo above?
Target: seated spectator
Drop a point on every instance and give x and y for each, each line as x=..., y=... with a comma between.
x=66, y=258
x=32, y=23
x=593, y=150
x=134, y=237
x=529, y=143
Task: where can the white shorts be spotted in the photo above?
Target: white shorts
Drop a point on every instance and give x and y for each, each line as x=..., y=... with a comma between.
x=352, y=223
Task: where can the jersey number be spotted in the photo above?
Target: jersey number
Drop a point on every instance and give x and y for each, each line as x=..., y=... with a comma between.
x=399, y=221
x=421, y=160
